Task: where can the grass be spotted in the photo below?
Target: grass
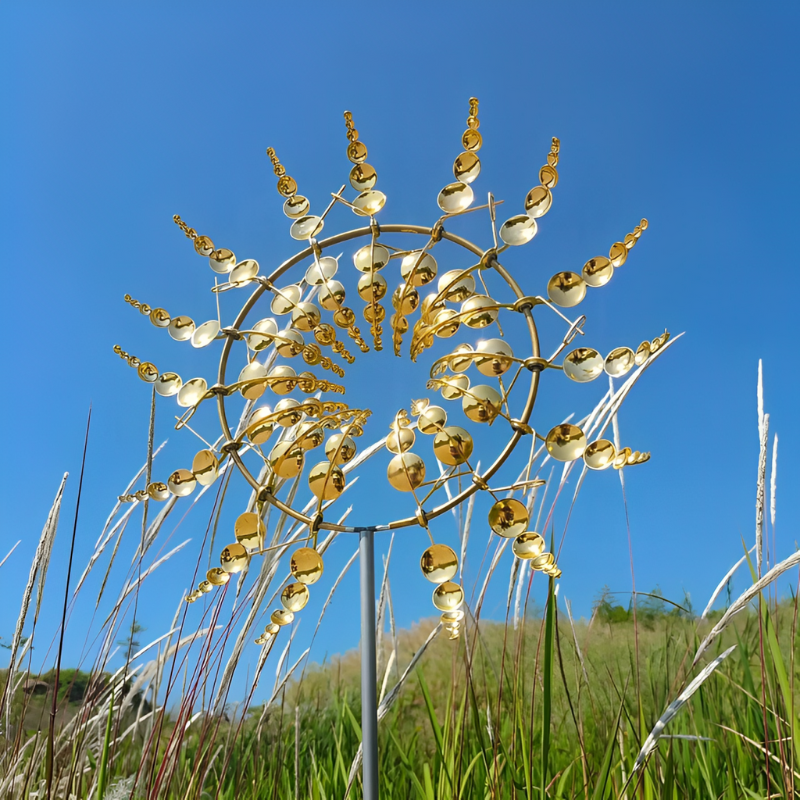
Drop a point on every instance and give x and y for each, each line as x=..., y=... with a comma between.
x=644, y=700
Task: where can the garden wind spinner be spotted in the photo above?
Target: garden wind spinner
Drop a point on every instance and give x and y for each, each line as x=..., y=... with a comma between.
x=297, y=425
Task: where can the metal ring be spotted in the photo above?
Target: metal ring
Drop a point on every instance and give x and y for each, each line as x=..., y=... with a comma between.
x=489, y=257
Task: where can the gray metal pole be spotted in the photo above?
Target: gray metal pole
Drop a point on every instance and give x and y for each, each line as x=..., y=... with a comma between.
x=369, y=688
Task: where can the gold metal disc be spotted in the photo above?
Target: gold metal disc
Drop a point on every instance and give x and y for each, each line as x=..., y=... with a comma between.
x=326, y=480
x=431, y=420
x=369, y=202
x=341, y=448
x=294, y=597
x=181, y=483
x=496, y=359
x=306, y=565
x=566, y=442
x=363, y=177
x=371, y=258
x=566, y=289
x=538, y=201
x=619, y=362
x=234, y=558
x=600, y=454
x=597, y=271
x=455, y=197
x=439, y=563
x=508, y=518
x=205, y=467
x=528, y=545
x=583, y=364
x=406, y=472
x=249, y=530
x=400, y=440
x=482, y=403
x=479, y=311
x=422, y=265
x=448, y=596
x=217, y=576
x=181, y=328
x=452, y=445
x=518, y=230
x=306, y=227
x=280, y=616
x=467, y=167
x=286, y=459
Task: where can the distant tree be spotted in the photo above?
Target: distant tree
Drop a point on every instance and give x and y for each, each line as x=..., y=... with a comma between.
x=131, y=641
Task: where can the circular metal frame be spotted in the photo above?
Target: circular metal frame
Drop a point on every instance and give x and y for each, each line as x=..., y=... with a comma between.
x=478, y=479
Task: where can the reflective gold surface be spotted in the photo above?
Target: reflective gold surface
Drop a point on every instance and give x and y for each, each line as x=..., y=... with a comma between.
x=599, y=454
x=181, y=482
x=452, y=445
x=496, y=357
x=306, y=565
x=401, y=440
x=421, y=265
x=205, y=467
x=482, y=403
x=508, y=518
x=619, y=361
x=583, y=364
x=467, y=167
x=192, y=392
x=538, y=201
x=431, y=420
x=181, y=328
x=294, y=597
x=597, y=271
x=448, y=596
x=518, y=230
x=217, y=576
x=566, y=289
x=479, y=311
x=456, y=287
x=406, y=472
x=439, y=563
x=234, y=558
x=280, y=616
x=371, y=258
x=286, y=459
x=528, y=545
x=249, y=530
x=566, y=442
x=455, y=197
x=326, y=480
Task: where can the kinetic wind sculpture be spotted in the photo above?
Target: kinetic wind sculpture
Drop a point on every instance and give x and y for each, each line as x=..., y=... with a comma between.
x=479, y=375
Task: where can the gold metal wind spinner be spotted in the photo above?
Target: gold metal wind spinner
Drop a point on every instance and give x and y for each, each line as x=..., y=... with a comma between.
x=486, y=382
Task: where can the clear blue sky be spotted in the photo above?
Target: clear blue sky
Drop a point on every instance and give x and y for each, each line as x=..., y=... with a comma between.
x=116, y=117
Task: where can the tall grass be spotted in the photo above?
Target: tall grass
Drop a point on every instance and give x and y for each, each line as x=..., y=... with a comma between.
x=648, y=701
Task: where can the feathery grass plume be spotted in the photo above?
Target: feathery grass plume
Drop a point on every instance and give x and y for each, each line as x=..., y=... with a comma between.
x=773, y=482
x=47, y=551
x=127, y=490
x=389, y=700
x=728, y=575
x=760, y=400
x=101, y=546
x=673, y=708
x=761, y=489
x=40, y=559
x=288, y=674
x=380, y=623
x=743, y=599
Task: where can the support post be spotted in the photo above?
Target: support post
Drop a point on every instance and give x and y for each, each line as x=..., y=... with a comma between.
x=369, y=688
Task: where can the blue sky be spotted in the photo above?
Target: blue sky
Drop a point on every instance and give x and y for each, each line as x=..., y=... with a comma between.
x=117, y=117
